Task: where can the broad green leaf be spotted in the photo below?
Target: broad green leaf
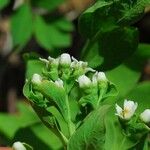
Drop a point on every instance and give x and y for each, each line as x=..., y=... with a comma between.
x=63, y=24
x=38, y=136
x=91, y=134
x=140, y=57
x=4, y=3
x=55, y=94
x=96, y=19
x=92, y=57
x=11, y=123
x=107, y=20
x=115, y=139
x=111, y=53
x=49, y=35
x=33, y=66
x=21, y=25
x=123, y=45
x=42, y=33
x=50, y=5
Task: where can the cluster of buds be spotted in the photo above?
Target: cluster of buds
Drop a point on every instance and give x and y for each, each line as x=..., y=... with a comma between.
x=128, y=111
x=98, y=77
x=37, y=79
x=64, y=68
x=75, y=67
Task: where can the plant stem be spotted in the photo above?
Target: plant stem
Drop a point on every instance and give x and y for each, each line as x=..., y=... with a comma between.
x=69, y=122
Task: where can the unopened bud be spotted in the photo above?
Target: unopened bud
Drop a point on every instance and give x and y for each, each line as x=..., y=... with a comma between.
x=65, y=59
x=145, y=116
x=59, y=83
x=36, y=78
x=84, y=81
x=18, y=146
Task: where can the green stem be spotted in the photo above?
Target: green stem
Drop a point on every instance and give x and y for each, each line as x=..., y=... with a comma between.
x=100, y=97
x=69, y=122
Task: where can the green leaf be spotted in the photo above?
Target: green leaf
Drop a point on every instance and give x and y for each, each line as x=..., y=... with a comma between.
x=25, y=118
x=21, y=25
x=4, y=3
x=63, y=24
x=50, y=5
x=49, y=35
x=55, y=94
x=42, y=33
x=96, y=19
x=133, y=11
x=92, y=57
x=38, y=136
x=107, y=20
x=34, y=66
x=91, y=134
x=123, y=45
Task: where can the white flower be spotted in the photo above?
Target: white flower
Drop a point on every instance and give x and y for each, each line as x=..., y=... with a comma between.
x=18, y=146
x=59, y=83
x=98, y=77
x=145, y=116
x=65, y=59
x=128, y=109
x=36, y=78
x=84, y=81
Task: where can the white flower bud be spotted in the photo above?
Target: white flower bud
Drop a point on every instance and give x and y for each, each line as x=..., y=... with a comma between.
x=145, y=116
x=65, y=59
x=128, y=110
x=17, y=4
x=84, y=81
x=36, y=78
x=18, y=146
x=101, y=76
x=59, y=83
x=98, y=77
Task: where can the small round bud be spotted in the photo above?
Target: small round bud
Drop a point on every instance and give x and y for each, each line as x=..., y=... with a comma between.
x=145, y=116
x=84, y=81
x=36, y=78
x=101, y=76
x=18, y=146
x=59, y=83
x=65, y=59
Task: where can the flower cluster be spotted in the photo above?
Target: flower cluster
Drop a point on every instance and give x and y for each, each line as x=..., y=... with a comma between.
x=66, y=67
x=98, y=77
x=128, y=110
